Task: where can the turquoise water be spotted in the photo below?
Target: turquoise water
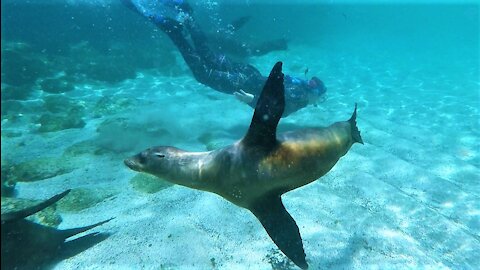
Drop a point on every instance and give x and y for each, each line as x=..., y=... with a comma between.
x=85, y=85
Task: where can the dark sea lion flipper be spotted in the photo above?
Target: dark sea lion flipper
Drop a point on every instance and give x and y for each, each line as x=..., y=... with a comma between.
x=268, y=111
x=11, y=216
x=281, y=227
x=71, y=232
x=353, y=125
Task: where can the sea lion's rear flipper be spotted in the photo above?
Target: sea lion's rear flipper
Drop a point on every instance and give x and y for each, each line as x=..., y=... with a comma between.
x=353, y=125
x=268, y=111
x=33, y=209
x=281, y=227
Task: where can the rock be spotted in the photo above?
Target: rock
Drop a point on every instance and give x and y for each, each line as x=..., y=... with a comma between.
x=12, y=107
x=62, y=104
x=38, y=169
x=82, y=198
x=11, y=134
x=110, y=71
x=110, y=66
x=57, y=85
x=133, y=135
x=8, y=186
x=88, y=147
x=107, y=106
x=21, y=92
x=148, y=184
x=120, y=61
x=56, y=122
x=20, y=66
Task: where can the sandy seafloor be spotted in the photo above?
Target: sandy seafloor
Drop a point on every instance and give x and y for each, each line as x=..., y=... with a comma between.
x=408, y=198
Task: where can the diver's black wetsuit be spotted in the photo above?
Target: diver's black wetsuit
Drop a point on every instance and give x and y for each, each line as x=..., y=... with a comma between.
x=216, y=70
x=209, y=68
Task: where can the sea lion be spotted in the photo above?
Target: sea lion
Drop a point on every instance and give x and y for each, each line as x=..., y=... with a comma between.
x=254, y=172
x=28, y=245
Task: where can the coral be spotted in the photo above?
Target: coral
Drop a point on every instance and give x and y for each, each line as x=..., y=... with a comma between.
x=148, y=184
x=48, y=216
x=82, y=198
x=38, y=169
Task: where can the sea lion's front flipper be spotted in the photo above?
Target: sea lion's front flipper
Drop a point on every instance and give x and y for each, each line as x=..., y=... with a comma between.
x=268, y=111
x=281, y=227
x=33, y=209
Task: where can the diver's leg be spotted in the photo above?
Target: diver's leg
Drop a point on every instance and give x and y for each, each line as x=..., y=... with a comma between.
x=207, y=67
x=226, y=81
x=216, y=60
x=173, y=9
x=223, y=64
x=195, y=62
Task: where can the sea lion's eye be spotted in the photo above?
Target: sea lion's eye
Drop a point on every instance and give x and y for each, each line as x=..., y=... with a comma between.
x=159, y=155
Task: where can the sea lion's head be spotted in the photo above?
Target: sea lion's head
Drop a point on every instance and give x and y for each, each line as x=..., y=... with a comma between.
x=154, y=160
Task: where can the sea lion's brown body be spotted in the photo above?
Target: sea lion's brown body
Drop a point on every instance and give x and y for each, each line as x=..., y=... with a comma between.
x=241, y=174
x=255, y=171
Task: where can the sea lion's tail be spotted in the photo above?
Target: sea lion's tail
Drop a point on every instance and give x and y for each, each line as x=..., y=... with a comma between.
x=353, y=125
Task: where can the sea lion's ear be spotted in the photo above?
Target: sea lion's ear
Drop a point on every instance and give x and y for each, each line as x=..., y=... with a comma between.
x=268, y=111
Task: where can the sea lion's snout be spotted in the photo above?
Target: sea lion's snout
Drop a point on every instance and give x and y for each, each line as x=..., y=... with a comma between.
x=136, y=162
x=151, y=160
x=130, y=163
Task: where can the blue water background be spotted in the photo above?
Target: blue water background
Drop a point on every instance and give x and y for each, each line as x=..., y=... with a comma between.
x=409, y=198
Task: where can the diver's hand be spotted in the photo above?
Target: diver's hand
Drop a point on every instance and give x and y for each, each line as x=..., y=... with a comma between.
x=244, y=96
